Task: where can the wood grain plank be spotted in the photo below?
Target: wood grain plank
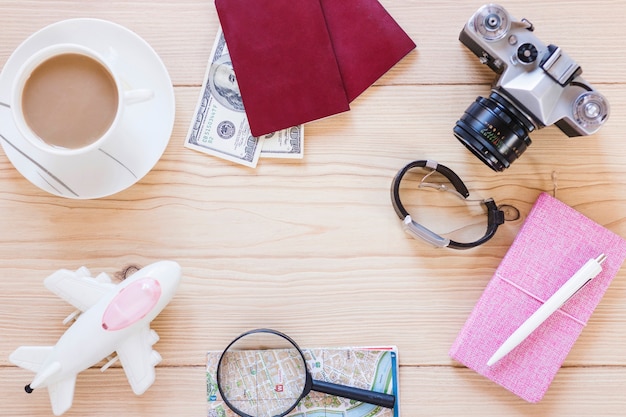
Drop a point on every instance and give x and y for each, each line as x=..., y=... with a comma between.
x=312, y=247
x=181, y=392
x=183, y=33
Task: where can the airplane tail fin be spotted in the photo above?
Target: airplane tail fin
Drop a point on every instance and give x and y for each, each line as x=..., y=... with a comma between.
x=32, y=358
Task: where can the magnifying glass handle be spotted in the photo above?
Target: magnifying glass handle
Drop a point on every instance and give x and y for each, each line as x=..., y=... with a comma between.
x=357, y=394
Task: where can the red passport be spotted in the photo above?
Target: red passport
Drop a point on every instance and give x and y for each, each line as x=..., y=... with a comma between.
x=299, y=61
x=366, y=39
x=284, y=62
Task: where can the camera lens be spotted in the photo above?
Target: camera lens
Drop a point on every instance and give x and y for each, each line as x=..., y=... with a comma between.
x=494, y=131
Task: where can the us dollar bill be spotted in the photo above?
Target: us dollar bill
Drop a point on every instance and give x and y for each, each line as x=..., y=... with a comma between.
x=286, y=143
x=220, y=127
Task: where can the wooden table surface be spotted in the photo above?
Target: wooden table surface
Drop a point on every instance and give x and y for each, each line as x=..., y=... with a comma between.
x=312, y=247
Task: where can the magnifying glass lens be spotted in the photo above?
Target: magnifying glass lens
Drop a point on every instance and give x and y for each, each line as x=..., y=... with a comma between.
x=262, y=375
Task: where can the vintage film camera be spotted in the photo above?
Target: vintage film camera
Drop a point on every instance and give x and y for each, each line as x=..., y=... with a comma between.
x=537, y=86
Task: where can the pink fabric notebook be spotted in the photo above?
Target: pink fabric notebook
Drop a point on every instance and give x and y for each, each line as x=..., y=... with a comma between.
x=553, y=243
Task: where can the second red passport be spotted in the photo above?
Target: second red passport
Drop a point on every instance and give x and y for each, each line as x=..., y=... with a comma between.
x=366, y=39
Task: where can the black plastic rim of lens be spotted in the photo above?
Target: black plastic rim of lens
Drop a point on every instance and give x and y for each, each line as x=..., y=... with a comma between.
x=494, y=131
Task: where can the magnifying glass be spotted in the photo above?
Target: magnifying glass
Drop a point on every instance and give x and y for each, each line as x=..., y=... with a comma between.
x=263, y=373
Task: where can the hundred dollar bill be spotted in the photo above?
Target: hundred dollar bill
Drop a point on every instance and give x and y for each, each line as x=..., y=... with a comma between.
x=284, y=144
x=220, y=127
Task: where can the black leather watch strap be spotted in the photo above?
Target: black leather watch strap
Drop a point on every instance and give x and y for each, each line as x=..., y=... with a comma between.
x=495, y=217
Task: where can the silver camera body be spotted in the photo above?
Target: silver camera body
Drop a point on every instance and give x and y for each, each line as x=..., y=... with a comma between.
x=537, y=86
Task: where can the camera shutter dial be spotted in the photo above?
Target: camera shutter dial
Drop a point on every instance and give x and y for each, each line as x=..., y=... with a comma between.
x=527, y=53
x=591, y=110
x=492, y=22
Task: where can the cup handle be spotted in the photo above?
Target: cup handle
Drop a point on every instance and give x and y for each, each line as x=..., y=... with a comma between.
x=138, y=96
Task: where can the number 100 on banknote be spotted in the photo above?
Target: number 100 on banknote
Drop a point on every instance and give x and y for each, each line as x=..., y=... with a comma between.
x=220, y=127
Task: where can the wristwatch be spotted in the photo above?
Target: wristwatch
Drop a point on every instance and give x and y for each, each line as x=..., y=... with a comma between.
x=495, y=217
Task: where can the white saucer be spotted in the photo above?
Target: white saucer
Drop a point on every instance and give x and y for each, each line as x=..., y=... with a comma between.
x=145, y=127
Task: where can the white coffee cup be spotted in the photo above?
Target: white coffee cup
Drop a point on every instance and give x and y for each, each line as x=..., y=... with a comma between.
x=68, y=99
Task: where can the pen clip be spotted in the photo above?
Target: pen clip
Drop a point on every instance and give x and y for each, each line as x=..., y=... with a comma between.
x=600, y=259
x=576, y=292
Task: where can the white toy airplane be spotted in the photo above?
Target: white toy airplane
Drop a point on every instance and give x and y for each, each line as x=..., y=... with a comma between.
x=115, y=318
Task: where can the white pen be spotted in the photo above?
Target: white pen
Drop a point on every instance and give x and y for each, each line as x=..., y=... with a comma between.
x=589, y=271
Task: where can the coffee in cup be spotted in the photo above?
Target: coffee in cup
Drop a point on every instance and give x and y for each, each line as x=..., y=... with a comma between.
x=68, y=100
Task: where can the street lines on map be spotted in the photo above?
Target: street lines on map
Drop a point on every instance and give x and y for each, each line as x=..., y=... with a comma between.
x=360, y=367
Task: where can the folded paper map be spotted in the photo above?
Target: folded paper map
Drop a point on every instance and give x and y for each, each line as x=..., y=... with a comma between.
x=368, y=368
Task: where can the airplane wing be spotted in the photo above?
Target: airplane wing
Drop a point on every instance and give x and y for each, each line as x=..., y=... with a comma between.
x=77, y=289
x=138, y=359
x=62, y=395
